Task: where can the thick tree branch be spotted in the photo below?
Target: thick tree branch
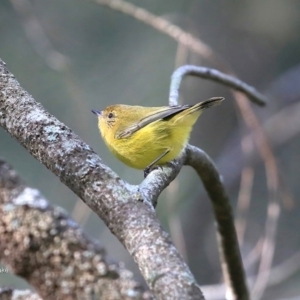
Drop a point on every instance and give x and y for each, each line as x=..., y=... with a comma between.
x=52, y=252
x=129, y=216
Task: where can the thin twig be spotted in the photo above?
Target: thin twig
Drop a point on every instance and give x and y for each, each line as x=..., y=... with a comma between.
x=285, y=270
x=161, y=25
x=244, y=197
x=243, y=202
x=273, y=210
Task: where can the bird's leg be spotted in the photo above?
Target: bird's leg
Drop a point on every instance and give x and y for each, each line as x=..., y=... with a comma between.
x=150, y=167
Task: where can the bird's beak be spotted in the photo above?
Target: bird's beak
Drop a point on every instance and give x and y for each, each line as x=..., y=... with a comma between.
x=97, y=112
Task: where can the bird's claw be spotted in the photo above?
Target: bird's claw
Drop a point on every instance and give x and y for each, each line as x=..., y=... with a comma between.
x=150, y=169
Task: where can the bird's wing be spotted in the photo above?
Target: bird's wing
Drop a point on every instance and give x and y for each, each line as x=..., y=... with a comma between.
x=162, y=114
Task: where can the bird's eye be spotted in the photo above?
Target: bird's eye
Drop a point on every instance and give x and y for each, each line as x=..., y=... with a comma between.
x=110, y=115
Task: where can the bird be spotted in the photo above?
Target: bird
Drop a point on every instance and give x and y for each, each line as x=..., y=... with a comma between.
x=145, y=137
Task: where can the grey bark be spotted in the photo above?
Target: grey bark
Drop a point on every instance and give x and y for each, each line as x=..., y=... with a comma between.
x=12, y=294
x=44, y=246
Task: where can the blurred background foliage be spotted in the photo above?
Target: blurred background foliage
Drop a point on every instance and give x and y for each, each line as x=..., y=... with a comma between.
x=74, y=56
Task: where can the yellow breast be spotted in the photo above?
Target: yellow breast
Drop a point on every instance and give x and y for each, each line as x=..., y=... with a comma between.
x=147, y=144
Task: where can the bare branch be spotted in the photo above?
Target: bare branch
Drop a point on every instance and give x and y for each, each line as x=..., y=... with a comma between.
x=243, y=202
x=125, y=211
x=191, y=42
x=229, y=250
x=215, y=75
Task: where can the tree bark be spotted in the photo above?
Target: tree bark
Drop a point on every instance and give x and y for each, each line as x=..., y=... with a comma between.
x=44, y=246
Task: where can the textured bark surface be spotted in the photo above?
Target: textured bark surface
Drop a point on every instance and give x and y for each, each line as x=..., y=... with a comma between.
x=43, y=245
x=11, y=294
x=127, y=212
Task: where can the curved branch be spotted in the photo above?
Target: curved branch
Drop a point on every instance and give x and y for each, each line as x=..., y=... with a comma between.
x=215, y=75
x=129, y=216
x=229, y=250
x=191, y=42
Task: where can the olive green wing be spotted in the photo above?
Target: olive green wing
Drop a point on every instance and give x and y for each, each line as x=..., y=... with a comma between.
x=162, y=114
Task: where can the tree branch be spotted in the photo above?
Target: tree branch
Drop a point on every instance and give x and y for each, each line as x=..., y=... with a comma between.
x=52, y=252
x=129, y=216
x=215, y=75
x=159, y=179
x=229, y=251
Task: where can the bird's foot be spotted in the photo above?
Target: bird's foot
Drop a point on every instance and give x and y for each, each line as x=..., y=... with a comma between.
x=150, y=169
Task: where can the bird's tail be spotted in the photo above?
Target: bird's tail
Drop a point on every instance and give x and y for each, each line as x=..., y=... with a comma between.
x=190, y=115
x=206, y=104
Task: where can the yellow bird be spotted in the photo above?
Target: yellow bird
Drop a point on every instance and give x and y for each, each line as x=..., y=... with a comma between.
x=144, y=137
